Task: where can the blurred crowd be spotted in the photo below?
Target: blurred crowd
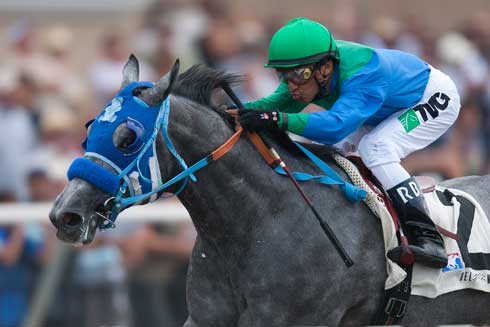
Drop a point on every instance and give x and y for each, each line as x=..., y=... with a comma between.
x=135, y=274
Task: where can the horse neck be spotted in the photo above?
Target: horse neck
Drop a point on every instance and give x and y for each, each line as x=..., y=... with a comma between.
x=229, y=193
x=238, y=201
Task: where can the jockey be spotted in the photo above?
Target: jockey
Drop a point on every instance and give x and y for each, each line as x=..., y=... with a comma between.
x=384, y=104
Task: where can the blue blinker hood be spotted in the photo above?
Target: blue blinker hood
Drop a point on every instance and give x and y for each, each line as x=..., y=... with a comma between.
x=144, y=176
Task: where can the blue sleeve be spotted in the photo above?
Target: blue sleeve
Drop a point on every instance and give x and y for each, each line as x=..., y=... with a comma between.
x=361, y=96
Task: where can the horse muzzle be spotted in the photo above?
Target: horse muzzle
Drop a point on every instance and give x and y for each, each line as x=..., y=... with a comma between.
x=72, y=227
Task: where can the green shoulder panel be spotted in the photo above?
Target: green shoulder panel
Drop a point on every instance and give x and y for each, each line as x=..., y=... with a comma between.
x=353, y=57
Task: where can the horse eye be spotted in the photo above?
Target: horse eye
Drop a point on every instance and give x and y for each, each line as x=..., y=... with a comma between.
x=123, y=137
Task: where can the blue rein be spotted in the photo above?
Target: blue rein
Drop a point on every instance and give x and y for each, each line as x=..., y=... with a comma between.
x=353, y=193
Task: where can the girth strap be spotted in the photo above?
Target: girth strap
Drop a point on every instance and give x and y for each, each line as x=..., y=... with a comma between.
x=395, y=301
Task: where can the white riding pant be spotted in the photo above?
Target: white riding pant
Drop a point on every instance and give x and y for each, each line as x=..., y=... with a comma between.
x=383, y=146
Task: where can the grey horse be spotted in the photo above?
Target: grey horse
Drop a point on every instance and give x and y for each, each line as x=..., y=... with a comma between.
x=260, y=258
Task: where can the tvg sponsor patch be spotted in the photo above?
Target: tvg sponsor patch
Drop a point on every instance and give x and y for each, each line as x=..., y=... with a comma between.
x=409, y=120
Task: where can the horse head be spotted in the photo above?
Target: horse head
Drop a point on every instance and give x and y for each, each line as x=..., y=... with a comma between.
x=120, y=160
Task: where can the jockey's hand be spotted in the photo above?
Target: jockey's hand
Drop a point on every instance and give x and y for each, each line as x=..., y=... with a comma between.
x=258, y=120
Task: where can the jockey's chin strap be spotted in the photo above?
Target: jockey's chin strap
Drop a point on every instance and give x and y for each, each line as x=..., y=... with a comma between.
x=115, y=204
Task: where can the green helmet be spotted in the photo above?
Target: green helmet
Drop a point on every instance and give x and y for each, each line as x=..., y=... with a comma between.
x=301, y=41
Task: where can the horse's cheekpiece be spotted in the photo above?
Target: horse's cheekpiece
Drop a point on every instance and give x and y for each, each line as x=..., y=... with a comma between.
x=135, y=166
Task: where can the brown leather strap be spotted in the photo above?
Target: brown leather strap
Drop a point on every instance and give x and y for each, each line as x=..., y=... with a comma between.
x=447, y=233
x=225, y=147
x=263, y=150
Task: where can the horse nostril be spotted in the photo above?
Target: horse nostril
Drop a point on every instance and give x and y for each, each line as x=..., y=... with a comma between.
x=52, y=218
x=70, y=219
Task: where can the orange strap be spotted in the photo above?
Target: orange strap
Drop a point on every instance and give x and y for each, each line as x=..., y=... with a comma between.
x=263, y=150
x=225, y=147
x=255, y=139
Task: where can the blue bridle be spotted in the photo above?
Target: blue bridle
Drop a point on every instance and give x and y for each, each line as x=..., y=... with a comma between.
x=137, y=169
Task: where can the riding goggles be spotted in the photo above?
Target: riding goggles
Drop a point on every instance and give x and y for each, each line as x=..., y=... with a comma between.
x=298, y=76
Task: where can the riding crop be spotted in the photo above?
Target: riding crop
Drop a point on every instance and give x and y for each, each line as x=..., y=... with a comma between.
x=326, y=228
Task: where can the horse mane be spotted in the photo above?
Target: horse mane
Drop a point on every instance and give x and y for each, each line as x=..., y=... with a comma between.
x=198, y=83
x=201, y=83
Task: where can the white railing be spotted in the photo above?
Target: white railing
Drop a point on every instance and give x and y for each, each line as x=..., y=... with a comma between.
x=162, y=211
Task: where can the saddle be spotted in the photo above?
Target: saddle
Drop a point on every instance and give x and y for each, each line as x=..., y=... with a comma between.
x=427, y=185
x=452, y=211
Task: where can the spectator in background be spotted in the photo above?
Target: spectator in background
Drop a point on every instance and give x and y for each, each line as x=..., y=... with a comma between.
x=60, y=86
x=100, y=281
x=171, y=28
x=388, y=32
x=189, y=24
x=477, y=29
x=468, y=139
x=237, y=45
x=161, y=57
x=464, y=64
x=42, y=188
x=18, y=129
x=105, y=74
x=59, y=143
x=346, y=20
x=19, y=251
x=156, y=256
x=253, y=36
x=64, y=309
x=21, y=53
x=220, y=45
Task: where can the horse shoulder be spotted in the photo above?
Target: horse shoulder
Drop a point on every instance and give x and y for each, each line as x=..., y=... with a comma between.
x=209, y=294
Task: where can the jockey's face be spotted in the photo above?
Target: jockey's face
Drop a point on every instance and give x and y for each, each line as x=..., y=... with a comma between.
x=304, y=82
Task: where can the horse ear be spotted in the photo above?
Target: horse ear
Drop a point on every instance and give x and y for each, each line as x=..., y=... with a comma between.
x=130, y=71
x=155, y=95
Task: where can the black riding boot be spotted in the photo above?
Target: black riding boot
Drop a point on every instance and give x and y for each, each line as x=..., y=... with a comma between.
x=424, y=240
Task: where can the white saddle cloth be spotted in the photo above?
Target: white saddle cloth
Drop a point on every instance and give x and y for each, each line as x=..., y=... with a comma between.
x=458, y=274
